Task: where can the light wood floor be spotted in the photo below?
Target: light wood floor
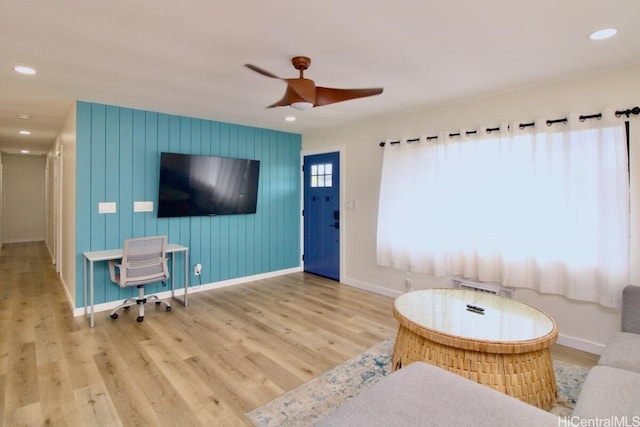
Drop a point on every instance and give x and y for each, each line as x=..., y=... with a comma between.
x=231, y=351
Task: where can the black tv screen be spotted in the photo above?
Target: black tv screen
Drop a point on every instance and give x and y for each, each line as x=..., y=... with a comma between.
x=193, y=185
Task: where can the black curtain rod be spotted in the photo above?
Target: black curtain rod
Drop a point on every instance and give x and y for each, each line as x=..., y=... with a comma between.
x=629, y=111
x=526, y=125
x=382, y=144
x=635, y=111
x=590, y=116
x=409, y=141
x=552, y=122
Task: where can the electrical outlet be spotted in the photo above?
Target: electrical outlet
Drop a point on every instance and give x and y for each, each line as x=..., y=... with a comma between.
x=197, y=270
x=408, y=281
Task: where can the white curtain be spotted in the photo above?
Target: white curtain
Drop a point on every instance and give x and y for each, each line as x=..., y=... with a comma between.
x=542, y=207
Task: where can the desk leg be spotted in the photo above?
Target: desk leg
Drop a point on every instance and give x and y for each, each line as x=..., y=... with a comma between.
x=88, y=309
x=173, y=276
x=84, y=286
x=91, y=315
x=186, y=277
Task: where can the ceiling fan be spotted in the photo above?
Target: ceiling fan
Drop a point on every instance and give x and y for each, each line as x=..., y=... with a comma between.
x=303, y=94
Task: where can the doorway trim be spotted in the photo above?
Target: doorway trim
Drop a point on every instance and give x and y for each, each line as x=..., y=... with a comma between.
x=340, y=149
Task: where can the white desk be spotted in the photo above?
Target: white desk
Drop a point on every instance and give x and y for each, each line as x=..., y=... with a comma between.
x=91, y=257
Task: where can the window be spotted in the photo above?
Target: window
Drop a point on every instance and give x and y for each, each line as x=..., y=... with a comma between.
x=322, y=175
x=544, y=208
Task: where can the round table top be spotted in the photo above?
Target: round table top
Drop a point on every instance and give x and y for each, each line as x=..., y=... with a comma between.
x=445, y=312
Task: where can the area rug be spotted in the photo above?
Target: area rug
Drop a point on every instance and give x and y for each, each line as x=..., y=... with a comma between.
x=312, y=401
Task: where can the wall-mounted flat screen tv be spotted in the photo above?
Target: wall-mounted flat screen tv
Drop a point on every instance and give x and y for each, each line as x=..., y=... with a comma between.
x=194, y=185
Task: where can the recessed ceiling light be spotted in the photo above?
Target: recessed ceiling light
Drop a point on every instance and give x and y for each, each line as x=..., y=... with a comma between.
x=603, y=34
x=290, y=119
x=24, y=117
x=24, y=70
x=25, y=132
x=24, y=151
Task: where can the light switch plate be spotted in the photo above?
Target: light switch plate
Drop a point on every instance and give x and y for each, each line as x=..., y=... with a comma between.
x=106, y=207
x=143, y=206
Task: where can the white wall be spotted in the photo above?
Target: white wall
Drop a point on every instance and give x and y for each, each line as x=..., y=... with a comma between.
x=50, y=203
x=582, y=325
x=66, y=145
x=1, y=209
x=23, y=198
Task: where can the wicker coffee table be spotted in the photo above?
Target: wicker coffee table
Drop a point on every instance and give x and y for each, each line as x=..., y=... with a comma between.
x=503, y=344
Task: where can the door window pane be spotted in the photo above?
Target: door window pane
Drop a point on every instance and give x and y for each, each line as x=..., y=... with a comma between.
x=322, y=175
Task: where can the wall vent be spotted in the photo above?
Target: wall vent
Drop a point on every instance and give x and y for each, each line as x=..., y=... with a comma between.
x=488, y=287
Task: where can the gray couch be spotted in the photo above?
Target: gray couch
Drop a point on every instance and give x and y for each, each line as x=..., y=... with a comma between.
x=424, y=395
x=612, y=388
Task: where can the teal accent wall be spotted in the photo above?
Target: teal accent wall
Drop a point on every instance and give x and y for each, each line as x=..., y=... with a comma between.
x=118, y=160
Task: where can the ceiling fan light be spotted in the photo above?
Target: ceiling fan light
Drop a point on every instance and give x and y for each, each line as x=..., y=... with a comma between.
x=301, y=105
x=603, y=34
x=24, y=70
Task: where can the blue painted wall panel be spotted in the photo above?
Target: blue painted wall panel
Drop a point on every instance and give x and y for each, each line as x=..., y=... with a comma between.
x=125, y=170
x=152, y=171
x=112, y=180
x=98, y=222
x=118, y=155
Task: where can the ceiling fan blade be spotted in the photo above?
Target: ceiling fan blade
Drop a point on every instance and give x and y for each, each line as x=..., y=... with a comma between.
x=326, y=95
x=262, y=71
x=289, y=97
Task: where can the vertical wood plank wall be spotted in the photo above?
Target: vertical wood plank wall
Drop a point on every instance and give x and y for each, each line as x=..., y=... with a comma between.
x=118, y=160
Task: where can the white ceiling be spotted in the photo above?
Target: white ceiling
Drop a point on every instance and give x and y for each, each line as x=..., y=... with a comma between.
x=186, y=57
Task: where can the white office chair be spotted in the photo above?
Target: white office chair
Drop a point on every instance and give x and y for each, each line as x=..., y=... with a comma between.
x=144, y=260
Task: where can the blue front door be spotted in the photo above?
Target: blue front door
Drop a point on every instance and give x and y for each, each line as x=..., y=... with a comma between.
x=322, y=215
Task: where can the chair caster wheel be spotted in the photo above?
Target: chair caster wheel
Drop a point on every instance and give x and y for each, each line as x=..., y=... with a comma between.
x=140, y=318
x=168, y=308
x=114, y=316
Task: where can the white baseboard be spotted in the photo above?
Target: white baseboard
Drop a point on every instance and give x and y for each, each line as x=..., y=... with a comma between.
x=107, y=306
x=573, y=342
x=24, y=240
x=371, y=288
x=580, y=344
x=70, y=299
x=193, y=289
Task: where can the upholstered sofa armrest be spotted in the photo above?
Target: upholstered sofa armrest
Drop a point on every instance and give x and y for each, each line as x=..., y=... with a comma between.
x=631, y=309
x=608, y=394
x=422, y=395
